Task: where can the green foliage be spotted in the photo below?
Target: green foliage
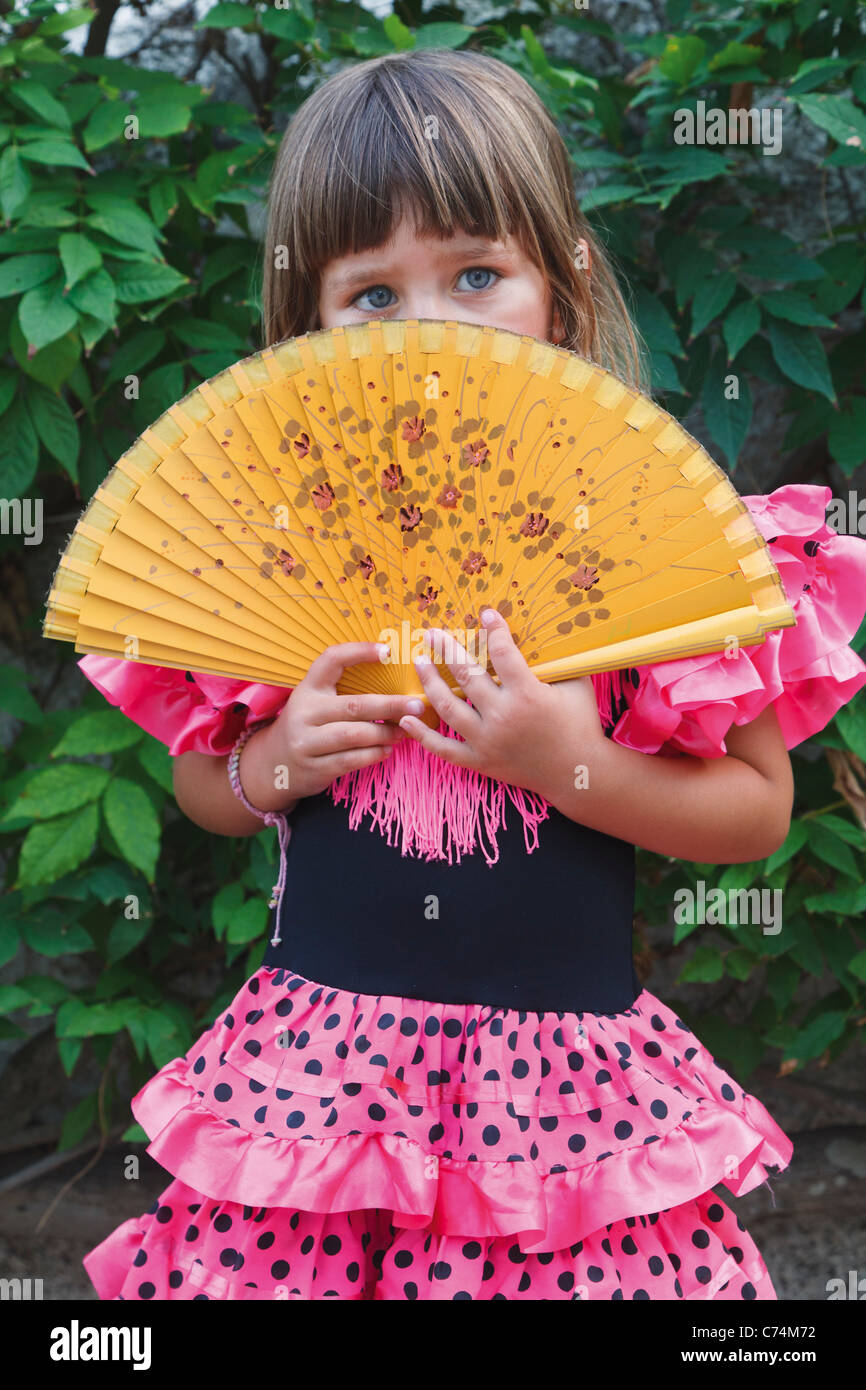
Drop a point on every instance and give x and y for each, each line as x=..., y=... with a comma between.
x=129, y=273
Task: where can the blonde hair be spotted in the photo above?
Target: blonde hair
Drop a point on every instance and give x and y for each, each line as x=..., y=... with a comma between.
x=357, y=155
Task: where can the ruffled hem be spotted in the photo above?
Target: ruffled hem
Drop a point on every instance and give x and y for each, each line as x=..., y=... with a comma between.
x=189, y=1250
x=492, y=1199
x=807, y=673
x=200, y=714
x=637, y=1118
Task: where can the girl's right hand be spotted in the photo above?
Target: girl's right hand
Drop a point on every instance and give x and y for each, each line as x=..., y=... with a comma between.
x=318, y=735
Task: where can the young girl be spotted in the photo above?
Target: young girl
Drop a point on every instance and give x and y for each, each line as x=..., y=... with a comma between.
x=446, y=1082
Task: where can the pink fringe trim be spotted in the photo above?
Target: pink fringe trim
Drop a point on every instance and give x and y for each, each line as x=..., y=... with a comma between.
x=417, y=795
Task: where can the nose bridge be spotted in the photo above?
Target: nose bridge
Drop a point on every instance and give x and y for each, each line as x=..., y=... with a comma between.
x=426, y=302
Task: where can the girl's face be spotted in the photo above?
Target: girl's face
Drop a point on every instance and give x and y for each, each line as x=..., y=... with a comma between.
x=468, y=278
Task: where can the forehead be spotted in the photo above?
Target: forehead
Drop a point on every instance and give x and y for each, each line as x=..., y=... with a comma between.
x=407, y=246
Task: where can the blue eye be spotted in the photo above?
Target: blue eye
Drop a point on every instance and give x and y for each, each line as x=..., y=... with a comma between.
x=375, y=289
x=481, y=270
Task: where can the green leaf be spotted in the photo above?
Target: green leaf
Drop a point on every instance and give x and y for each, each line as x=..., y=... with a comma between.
x=54, y=933
x=705, y=966
x=851, y=722
x=21, y=273
x=849, y=901
x=15, y=698
x=800, y=354
x=689, y=270
x=78, y=1122
x=75, y=1019
x=833, y=851
x=158, y=763
x=794, y=842
x=740, y=963
x=838, y=115
x=69, y=1051
x=225, y=904
x=400, y=36
x=208, y=333
x=134, y=824
x=123, y=221
x=796, y=307
x=159, y=117
x=52, y=365
x=135, y=353
x=139, y=282
x=606, y=193
x=12, y=997
x=845, y=267
x=19, y=450
x=741, y=324
x=55, y=424
x=95, y=296
x=8, y=382
x=105, y=731
x=45, y=315
x=682, y=56
x=711, y=298
x=162, y=199
x=125, y=935
x=57, y=153
x=57, y=790
x=847, y=435
x=15, y=183
x=227, y=16
x=249, y=922
x=727, y=418
x=39, y=100
x=817, y=1036
x=107, y=124
x=782, y=266
x=79, y=257
x=443, y=35
x=656, y=324
x=857, y=965
x=735, y=54
x=55, y=847
x=783, y=978
x=850, y=833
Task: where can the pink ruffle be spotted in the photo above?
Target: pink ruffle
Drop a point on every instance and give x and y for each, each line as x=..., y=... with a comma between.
x=807, y=672
x=203, y=715
x=244, y=1120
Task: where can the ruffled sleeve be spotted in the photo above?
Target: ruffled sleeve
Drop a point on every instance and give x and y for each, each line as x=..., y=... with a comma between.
x=807, y=672
x=189, y=713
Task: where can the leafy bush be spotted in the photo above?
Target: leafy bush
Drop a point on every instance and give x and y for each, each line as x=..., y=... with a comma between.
x=129, y=273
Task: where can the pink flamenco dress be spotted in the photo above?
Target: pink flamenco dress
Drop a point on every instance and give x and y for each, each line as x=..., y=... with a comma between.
x=333, y=1136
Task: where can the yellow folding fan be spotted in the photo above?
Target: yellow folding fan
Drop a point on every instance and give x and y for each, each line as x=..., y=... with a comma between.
x=371, y=481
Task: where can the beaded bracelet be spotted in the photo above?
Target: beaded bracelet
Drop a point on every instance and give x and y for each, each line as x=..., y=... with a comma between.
x=277, y=818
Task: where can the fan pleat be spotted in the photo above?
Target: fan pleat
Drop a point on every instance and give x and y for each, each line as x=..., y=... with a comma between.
x=375, y=480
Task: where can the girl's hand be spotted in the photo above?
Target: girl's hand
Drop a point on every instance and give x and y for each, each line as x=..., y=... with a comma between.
x=518, y=732
x=318, y=734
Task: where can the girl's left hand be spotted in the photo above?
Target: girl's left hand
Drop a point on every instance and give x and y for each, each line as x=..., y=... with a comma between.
x=525, y=732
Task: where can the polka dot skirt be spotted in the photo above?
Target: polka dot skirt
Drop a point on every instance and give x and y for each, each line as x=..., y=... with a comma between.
x=325, y=1144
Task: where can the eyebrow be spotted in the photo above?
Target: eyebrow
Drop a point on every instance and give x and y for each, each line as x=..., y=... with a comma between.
x=359, y=277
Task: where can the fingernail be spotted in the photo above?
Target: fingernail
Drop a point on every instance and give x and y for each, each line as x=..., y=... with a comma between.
x=415, y=706
x=488, y=616
x=423, y=661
